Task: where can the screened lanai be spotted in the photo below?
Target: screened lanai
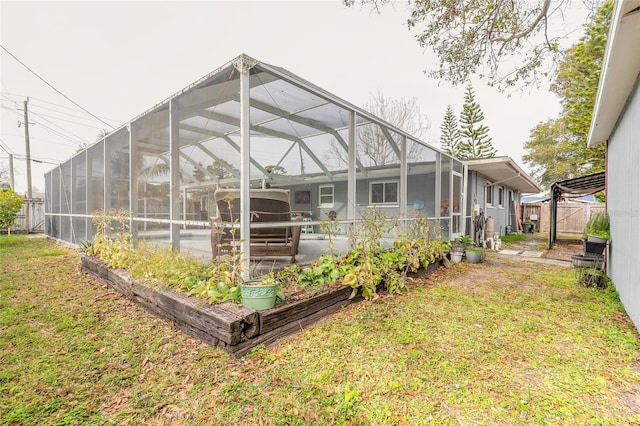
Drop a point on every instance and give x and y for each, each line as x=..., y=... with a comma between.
x=252, y=125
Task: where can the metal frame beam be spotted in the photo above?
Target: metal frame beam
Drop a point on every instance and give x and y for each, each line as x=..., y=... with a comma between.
x=174, y=172
x=243, y=65
x=226, y=138
x=304, y=121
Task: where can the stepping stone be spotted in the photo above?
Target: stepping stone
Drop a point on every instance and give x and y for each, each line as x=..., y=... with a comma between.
x=510, y=252
x=532, y=254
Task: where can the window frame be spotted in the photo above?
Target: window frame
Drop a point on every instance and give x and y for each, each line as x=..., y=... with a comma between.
x=488, y=195
x=501, y=197
x=384, y=192
x=321, y=195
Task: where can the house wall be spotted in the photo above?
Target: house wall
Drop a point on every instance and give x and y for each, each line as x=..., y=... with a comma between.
x=503, y=216
x=623, y=205
x=420, y=187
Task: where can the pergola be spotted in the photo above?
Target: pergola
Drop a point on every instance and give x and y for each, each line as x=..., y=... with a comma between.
x=579, y=186
x=247, y=123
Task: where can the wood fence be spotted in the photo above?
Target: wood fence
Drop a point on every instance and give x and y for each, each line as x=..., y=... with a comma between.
x=36, y=216
x=572, y=217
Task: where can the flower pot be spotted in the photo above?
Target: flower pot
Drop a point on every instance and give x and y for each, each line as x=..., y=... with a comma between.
x=474, y=256
x=456, y=257
x=596, y=239
x=586, y=260
x=258, y=296
x=526, y=228
x=595, y=245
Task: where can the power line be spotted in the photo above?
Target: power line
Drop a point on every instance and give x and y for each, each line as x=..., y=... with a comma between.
x=57, y=126
x=81, y=142
x=6, y=148
x=65, y=120
x=59, y=92
x=79, y=117
x=38, y=160
x=38, y=101
x=62, y=135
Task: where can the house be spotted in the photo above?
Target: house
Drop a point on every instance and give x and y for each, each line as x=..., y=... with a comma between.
x=616, y=122
x=495, y=187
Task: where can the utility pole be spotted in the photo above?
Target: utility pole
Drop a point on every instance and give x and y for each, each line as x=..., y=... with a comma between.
x=13, y=183
x=27, y=213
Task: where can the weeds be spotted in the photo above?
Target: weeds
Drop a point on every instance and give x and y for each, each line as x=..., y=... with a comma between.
x=499, y=343
x=364, y=269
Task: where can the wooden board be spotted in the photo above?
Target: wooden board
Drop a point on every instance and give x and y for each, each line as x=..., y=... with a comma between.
x=289, y=328
x=291, y=312
x=228, y=325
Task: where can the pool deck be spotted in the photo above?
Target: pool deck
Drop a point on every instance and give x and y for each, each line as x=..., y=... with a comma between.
x=311, y=247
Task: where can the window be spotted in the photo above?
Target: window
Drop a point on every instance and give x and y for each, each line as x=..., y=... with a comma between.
x=325, y=196
x=489, y=195
x=383, y=192
x=500, y=197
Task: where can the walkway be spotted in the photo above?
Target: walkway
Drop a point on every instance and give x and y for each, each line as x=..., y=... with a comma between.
x=533, y=249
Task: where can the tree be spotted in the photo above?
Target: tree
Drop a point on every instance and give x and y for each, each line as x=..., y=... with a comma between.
x=450, y=137
x=507, y=42
x=557, y=150
x=475, y=141
x=222, y=169
x=198, y=173
x=273, y=169
x=373, y=147
x=551, y=147
x=5, y=179
x=10, y=205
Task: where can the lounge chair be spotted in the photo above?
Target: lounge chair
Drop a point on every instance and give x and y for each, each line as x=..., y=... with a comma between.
x=267, y=205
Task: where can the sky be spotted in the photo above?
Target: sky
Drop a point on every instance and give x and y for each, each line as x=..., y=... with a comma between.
x=118, y=59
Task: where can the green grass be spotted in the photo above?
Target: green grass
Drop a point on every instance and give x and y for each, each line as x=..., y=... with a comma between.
x=513, y=238
x=500, y=342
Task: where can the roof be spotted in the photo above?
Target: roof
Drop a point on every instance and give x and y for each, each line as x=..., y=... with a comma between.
x=543, y=198
x=589, y=184
x=619, y=72
x=295, y=125
x=504, y=170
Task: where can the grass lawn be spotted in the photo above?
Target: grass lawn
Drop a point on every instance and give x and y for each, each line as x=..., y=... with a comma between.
x=503, y=342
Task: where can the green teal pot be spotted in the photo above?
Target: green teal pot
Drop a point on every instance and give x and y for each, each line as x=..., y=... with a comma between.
x=474, y=256
x=258, y=296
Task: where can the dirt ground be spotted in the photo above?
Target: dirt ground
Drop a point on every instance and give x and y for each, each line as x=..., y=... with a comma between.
x=564, y=247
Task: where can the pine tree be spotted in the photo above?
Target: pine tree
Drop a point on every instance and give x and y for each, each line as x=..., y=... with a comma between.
x=198, y=173
x=475, y=141
x=450, y=137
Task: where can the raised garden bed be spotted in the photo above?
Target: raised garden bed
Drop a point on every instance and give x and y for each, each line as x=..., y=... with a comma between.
x=228, y=325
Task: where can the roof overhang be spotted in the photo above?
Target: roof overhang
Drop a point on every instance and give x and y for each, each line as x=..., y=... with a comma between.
x=620, y=70
x=504, y=170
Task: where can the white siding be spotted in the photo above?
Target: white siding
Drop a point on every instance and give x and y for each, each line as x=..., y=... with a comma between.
x=623, y=204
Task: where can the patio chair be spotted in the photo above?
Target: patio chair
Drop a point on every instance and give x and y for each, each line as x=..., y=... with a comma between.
x=266, y=205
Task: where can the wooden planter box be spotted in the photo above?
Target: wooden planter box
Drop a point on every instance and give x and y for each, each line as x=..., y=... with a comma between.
x=228, y=325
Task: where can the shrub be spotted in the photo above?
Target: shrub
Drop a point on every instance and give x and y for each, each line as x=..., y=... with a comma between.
x=10, y=205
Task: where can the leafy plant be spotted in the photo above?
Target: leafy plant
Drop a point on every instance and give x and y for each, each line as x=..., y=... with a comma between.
x=226, y=272
x=598, y=225
x=329, y=229
x=10, y=205
x=112, y=242
x=464, y=239
x=366, y=268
